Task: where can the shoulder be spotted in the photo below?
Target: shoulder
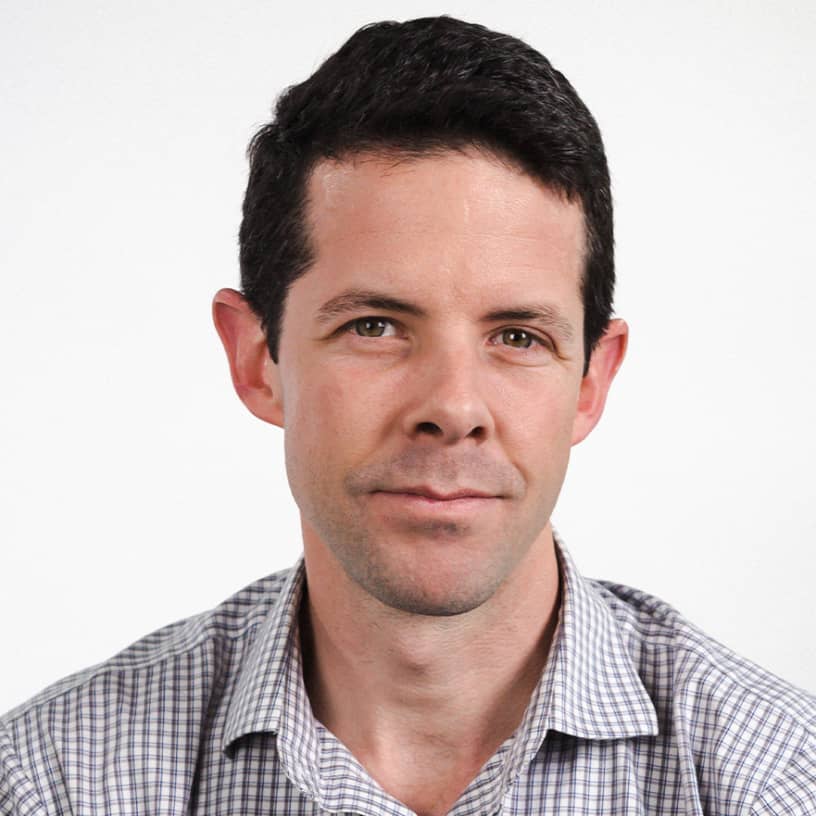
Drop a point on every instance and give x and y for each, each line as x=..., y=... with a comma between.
x=701, y=665
x=183, y=661
x=160, y=695
x=232, y=621
x=741, y=725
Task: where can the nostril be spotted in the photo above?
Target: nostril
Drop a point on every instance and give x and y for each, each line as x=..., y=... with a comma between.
x=478, y=432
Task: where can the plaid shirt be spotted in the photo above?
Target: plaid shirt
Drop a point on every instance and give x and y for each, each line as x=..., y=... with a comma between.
x=636, y=712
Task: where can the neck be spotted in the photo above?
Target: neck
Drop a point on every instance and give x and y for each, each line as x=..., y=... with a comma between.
x=390, y=684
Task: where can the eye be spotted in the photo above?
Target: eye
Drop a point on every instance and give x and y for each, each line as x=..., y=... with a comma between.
x=369, y=326
x=514, y=336
x=522, y=339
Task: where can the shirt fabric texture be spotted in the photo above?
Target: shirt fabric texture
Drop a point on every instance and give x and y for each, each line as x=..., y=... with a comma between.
x=637, y=712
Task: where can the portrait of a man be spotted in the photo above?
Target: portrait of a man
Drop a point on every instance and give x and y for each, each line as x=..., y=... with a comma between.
x=426, y=311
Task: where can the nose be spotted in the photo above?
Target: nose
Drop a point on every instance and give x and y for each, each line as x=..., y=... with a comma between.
x=447, y=397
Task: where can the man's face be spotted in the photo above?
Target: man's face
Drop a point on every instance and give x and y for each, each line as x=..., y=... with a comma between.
x=445, y=395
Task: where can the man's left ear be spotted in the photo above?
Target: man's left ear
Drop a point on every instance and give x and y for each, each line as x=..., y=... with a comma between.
x=604, y=363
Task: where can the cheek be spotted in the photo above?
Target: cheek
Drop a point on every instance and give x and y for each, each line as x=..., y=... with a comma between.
x=539, y=430
x=329, y=420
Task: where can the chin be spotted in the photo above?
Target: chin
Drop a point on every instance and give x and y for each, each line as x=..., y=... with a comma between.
x=428, y=605
x=431, y=593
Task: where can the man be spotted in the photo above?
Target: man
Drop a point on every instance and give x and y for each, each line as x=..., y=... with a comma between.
x=427, y=277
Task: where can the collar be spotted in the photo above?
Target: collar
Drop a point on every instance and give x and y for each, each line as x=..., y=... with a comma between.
x=258, y=701
x=590, y=687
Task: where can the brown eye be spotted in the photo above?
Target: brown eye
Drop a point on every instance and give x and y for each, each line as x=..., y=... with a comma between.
x=370, y=326
x=518, y=338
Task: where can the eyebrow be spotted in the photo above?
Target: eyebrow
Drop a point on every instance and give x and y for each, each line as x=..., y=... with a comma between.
x=356, y=299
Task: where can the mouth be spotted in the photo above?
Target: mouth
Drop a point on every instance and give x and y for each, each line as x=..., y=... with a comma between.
x=437, y=495
x=460, y=503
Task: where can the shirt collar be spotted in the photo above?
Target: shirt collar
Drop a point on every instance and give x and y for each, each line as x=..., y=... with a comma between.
x=258, y=700
x=590, y=687
x=590, y=684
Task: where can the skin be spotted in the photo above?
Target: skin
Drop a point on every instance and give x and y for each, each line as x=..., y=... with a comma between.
x=428, y=624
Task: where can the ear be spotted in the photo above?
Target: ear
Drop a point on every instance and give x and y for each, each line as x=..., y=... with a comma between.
x=604, y=363
x=255, y=376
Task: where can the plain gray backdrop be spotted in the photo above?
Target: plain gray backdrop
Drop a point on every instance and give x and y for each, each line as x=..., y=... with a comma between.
x=135, y=489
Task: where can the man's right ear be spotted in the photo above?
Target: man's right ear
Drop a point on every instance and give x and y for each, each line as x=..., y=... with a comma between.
x=255, y=376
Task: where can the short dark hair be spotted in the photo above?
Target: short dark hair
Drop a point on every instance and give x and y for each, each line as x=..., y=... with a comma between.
x=419, y=87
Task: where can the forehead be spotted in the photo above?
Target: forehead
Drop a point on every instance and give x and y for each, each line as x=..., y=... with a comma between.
x=459, y=228
x=444, y=191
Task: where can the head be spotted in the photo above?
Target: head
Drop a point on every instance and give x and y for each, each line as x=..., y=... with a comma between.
x=420, y=88
x=452, y=179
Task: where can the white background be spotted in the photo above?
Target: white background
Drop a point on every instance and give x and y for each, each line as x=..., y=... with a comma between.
x=135, y=489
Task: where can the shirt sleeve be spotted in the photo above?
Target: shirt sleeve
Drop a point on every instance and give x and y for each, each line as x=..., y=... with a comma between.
x=793, y=791
x=18, y=795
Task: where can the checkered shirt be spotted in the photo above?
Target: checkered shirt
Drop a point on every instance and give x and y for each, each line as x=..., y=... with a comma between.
x=637, y=712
